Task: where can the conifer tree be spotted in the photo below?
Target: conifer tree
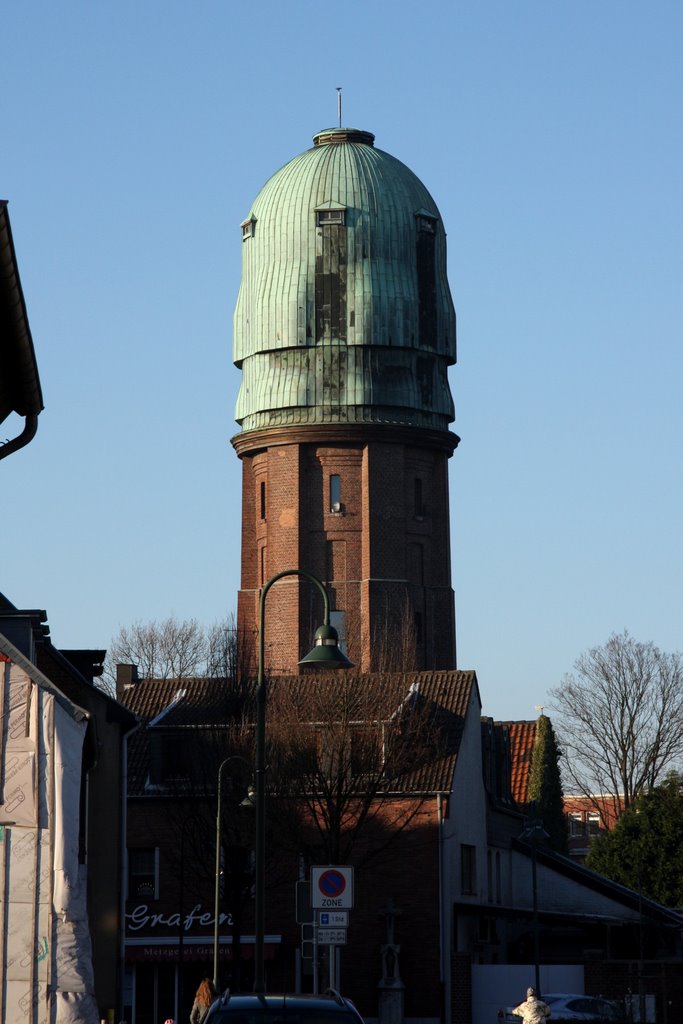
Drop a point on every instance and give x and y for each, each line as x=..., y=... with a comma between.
x=545, y=785
x=644, y=850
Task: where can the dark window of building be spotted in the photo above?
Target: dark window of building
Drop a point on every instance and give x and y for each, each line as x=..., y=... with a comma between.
x=178, y=758
x=262, y=565
x=419, y=629
x=426, y=279
x=468, y=869
x=262, y=499
x=335, y=492
x=418, y=500
x=248, y=229
x=576, y=824
x=489, y=875
x=427, y=224
x=592, y=823
x=143, y=873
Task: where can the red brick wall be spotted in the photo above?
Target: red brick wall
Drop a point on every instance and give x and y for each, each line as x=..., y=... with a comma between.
x=404, y=871
x=382, y=562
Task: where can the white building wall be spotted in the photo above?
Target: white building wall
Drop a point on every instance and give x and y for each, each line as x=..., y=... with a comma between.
x=46, y=964
x=466, y=823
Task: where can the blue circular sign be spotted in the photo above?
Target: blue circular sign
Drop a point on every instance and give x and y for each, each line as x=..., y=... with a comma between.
x=332, y=883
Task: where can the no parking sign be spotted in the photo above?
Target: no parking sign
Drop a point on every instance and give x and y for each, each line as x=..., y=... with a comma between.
x=332, y=888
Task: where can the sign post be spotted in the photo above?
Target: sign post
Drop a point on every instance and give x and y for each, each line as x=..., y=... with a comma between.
x=332, y=896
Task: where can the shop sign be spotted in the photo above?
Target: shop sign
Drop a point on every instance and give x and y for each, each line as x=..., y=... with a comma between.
x=141, y=917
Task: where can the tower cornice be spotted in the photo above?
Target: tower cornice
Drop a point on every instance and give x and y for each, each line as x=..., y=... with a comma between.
x=251, y=441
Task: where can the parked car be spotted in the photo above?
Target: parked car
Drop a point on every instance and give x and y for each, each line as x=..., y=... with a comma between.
x=330, y=1008
x=568, y=1007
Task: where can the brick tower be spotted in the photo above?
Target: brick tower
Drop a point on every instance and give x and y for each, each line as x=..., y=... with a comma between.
x=344, y=329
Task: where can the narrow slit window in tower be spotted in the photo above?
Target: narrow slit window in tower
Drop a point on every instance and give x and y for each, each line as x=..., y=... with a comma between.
x=335, y=493
x=418, y=504
x=426, y=279
x=262, y=499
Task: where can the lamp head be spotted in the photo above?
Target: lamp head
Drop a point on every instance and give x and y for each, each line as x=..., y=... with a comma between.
x=249, y=802
x=326, y=652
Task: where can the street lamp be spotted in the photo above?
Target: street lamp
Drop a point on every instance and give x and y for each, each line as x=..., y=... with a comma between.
x=535, y=833
x=228, y=760
x=325, y=654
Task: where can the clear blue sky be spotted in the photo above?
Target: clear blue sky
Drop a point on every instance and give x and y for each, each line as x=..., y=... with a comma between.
x=134, y=138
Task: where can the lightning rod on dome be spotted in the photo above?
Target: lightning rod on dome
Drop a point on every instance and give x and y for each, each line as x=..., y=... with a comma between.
x=339, y=89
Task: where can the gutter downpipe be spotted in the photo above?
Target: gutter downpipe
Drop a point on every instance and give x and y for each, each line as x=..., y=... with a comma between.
x=27, y=434
x=444, y=958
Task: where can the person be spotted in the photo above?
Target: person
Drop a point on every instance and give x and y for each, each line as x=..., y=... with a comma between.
x=206, y=994
x=533, y=1009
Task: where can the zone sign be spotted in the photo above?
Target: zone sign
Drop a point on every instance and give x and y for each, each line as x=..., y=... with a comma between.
x=332, y=888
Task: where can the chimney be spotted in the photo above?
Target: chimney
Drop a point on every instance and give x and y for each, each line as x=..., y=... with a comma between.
x=126, y=677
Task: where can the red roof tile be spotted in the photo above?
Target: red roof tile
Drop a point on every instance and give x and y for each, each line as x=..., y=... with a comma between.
x=178, y=704
x=522, y=738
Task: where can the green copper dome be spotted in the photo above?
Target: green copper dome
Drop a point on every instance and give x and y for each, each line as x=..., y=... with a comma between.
x=344, y=313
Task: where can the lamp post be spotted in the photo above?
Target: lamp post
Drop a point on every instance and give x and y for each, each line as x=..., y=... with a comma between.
x=325, y=654
x=216, y=901
x=534, y=833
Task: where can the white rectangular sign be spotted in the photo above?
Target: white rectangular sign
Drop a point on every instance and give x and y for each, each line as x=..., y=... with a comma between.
x=333, y=918
x=331, y=936
x=332, y=888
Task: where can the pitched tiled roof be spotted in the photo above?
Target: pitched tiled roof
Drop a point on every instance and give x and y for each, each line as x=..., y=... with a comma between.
x=169, y=705
x=183, y=702
x=522, y=738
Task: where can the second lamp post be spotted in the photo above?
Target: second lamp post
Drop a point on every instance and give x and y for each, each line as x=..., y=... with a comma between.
x=325, y=654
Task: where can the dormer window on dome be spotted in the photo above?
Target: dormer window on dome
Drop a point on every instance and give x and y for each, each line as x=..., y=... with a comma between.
x=425, y=222
x=248, y=228
x=330, y=216
x=330, y=212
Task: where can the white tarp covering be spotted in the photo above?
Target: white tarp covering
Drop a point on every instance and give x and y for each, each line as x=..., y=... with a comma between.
x=45, y=948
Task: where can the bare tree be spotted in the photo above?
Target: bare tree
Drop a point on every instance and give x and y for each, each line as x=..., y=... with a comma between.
x=177, y=649
x=619, y=720
x=346, y=762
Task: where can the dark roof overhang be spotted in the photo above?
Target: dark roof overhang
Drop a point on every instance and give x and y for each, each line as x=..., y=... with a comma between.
x=20, y=390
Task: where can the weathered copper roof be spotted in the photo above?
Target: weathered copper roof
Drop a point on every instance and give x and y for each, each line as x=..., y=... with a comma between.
x=329, y=323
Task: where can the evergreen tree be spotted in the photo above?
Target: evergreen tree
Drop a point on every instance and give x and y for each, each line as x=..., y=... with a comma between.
x=644, y=850
x=545, y=785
